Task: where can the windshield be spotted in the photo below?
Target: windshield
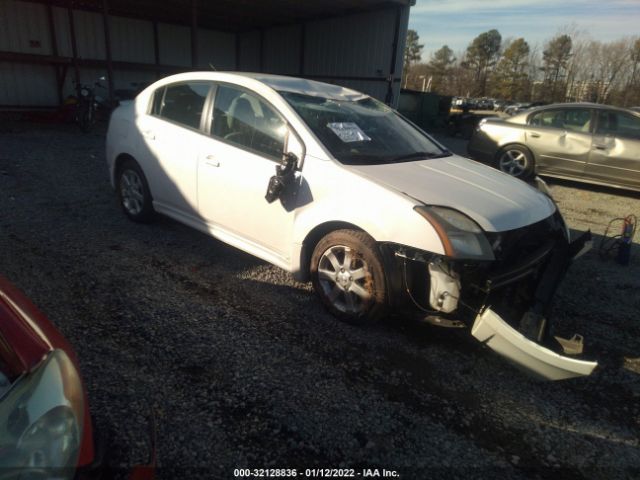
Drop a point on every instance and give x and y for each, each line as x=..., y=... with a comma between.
x=363, y=131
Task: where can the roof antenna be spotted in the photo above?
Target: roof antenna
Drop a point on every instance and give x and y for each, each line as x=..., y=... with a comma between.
x=212, y=67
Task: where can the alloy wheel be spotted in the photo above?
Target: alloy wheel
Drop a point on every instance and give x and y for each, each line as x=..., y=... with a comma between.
x=513, y=162
x=345, y=279
x=132, y=192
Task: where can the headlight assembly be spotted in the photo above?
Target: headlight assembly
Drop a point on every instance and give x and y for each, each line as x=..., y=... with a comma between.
x=42, y=419
x=461, y=237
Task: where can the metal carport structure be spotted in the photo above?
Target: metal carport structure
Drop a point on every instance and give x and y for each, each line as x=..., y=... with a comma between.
x=48, y=47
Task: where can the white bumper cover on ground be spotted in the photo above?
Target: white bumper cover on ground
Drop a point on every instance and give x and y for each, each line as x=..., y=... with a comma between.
x=492, y=330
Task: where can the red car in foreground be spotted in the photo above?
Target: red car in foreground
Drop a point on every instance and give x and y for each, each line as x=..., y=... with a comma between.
x=45, y=427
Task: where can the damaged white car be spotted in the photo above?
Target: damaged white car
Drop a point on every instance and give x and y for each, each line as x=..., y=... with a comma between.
x=336, y=187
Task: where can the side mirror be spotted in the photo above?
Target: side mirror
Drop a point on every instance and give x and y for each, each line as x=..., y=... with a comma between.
x=287, y=165
x=284, y=174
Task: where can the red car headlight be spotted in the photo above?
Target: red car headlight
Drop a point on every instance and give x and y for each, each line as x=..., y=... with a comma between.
x=41, y=420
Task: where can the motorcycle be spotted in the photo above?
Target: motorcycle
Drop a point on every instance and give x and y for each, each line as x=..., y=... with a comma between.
x=88, y=104
x=91, y=106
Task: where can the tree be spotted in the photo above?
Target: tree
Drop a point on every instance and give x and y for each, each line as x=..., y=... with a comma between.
x=631, y=87
x=481, y=56
x=510, y=74
x=440, y=66
x=412, y=51
x=556, y=59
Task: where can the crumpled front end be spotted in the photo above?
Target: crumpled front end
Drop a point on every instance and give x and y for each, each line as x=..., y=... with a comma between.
x=505, y=302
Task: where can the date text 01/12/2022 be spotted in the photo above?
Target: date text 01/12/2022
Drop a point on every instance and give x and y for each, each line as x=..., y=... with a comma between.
x=316, y=473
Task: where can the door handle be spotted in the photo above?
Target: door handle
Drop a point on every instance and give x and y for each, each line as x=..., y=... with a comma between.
x=535, y=135
x=600, y=146
x=148, y=134
x=211, y=161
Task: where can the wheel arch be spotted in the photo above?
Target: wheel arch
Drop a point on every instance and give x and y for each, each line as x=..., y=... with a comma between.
x=117, y=165
x=311, y=240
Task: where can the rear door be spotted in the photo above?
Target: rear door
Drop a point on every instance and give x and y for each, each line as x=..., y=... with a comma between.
x=561, y=140
x=615, y=156
x=172, y=137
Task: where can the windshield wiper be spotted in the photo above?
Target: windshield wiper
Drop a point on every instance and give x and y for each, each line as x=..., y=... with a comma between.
x=421, y=155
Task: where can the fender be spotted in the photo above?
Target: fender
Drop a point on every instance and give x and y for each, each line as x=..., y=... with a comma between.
x=359, y=205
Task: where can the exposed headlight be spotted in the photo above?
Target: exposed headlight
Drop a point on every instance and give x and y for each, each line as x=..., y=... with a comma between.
x=461, y=237
x=42, y=417
x=84, y=92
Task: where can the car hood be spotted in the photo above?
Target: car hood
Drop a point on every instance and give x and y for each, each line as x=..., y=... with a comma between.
x=495, y=200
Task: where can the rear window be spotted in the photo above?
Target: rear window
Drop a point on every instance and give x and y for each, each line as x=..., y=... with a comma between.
x=181, y=103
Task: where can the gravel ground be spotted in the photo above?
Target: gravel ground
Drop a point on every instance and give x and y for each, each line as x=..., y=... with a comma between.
x=237, y=365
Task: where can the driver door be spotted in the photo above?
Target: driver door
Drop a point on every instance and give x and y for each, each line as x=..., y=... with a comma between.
x=247, y=142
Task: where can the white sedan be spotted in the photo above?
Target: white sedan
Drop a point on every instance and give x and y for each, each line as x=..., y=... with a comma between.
x=338, y=188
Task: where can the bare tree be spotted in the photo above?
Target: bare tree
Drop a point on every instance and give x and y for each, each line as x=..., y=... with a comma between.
x=631, y=95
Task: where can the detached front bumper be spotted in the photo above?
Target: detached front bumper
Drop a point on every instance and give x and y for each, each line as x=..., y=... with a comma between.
x=506, y=305
x=522, y=347
x=529, y=356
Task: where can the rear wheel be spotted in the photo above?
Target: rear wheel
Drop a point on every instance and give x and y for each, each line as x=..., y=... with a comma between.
x=348, y=276
x=515, y=160
x=86, y=117
x=133, y=192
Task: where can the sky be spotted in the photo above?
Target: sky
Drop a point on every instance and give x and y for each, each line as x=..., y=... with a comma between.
x=457, y=22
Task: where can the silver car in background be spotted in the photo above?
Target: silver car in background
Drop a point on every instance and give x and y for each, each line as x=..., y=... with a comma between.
x=579, y=141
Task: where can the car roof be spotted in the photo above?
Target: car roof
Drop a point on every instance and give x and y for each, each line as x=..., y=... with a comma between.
x=554, y=106
x=280, y=83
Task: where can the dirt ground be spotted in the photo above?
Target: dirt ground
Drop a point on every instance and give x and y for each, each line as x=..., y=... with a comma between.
x=238, y=366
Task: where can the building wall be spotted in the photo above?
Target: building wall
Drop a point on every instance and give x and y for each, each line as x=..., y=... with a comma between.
x=355, y=51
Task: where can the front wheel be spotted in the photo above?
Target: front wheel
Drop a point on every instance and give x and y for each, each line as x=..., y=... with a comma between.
x=86, y=117
x=348, y=277
x=515, y=160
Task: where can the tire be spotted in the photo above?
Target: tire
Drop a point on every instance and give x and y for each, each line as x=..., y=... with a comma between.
x=86, y=118
x=348, y=276
x=133, y=192
x=515, y=160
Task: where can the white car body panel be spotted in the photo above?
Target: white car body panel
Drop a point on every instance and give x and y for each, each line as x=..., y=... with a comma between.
x=493, y=331
x=497, y=202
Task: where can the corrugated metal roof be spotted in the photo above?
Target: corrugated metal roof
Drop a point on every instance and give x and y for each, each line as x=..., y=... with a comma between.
x=232, y=15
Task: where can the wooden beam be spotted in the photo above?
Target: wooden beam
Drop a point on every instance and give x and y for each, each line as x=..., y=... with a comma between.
x=394, y=56
x=194, y=33
x=107, y=47
x=54, y=51
x=303, y=41
x=74, y=50
x=34, y=59
x=237, y=52
x=262, y=51
x=156, y=47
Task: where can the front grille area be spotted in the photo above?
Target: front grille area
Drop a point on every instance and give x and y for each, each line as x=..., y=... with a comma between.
x=511, y=246
x=509, y=283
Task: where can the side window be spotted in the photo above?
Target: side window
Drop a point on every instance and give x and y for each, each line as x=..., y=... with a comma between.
x=182, y=103
x=243, y=119
x=156, y=105
x=577, y=120
x=619, y=125
x=548, y=118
